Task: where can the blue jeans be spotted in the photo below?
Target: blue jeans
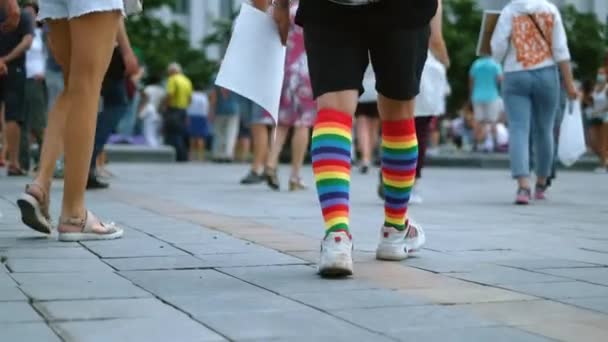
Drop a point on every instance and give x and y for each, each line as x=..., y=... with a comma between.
x=115, y=106
x=531, y=98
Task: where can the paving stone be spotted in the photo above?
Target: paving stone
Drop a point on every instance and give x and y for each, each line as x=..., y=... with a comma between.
x=132, y=248
x=340, y=300
x=57, y=265
x=266, y=258
x=294, y=279
x=162, y=329
x=498, y=275
x=249, y=300
x=542, y=264
x=17, y=312
x=156, y=263
x=471, y=293
x=561, y=290
x=105, y=309
x=494, y=334
x=596, y=275
x=185, y=282
x=229, y=246
x=423, y=317
x=49, y=253
x=31, y=240
x=597, y=304
x=195, y=235
x=27, y=332
x=283, y=324
x=58, y=286
x=10, y=293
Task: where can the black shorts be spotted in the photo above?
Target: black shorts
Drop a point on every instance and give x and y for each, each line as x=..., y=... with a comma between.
x=338, y=58
x=12, y=94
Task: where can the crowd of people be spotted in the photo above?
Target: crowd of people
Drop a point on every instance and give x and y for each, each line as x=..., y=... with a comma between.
x=333, y=101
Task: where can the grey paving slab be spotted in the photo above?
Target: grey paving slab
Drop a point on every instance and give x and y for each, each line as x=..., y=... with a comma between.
x=340, y=300
x=17, y=312
x=132, y=248
x=494, y=334
x=560, y=290
x=30, y=240
x=599, y=304
x=222, y=301
x=57, y=265
x=194, y=235
x=27, y=332
x=266, y=258
x=283, y=324
x=224, y=246
x=162, y=329
x=156, y=263
x=9, y=292
x=421, y=317
x=542, y=264
x=185, y=282
x=58, y=286
x=105, y=309
x=49, y=253
x=499, y=275
x=596, y=275
x=294, y=279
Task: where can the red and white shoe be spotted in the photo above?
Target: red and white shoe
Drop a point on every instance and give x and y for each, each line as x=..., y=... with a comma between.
x=336, y=255
x=396, y=245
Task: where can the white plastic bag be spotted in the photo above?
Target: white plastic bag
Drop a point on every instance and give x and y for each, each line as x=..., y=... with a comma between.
x=571, y=135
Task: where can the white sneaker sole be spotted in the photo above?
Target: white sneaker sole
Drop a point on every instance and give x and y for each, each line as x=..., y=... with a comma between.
x=74, y=237
x=31, y=215
x=391, y=252
x=339, y=265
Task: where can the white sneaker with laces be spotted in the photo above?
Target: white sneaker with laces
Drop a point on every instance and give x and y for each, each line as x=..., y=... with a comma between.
x=336, y=255
x=396, y=245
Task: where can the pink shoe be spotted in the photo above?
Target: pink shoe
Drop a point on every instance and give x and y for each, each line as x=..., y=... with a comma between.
x=523, y=196
x=539, y=192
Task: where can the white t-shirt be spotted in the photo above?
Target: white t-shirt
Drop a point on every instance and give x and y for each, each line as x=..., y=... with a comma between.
x=199, y=105
x=155, y=94
x=35, y=58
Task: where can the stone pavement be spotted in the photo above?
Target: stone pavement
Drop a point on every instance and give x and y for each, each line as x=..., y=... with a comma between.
x=205, y=259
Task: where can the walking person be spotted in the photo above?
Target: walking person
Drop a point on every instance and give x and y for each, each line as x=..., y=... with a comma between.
x=34, y=110
x=179, y=97
x=340, y=38
x=297, y=110
x=81, y=36
x=484, y=81
x=531, y=39
x=14, y=44
x=599, y=120
x=198, y=127
x=367, y=122
x=225, y=118
x=260, y=126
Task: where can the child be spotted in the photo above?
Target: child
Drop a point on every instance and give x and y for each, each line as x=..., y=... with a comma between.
x=151, y=119
x=198, y=126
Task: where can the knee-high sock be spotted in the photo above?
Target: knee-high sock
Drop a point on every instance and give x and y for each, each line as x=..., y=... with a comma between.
x=331, y=148
x=399, y=159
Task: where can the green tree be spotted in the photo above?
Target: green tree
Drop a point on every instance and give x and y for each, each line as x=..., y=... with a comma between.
x=161, y=44
x=462, y=22
x=586, y=39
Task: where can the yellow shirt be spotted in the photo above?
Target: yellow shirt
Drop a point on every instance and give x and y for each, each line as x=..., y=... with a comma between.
x=179, y=90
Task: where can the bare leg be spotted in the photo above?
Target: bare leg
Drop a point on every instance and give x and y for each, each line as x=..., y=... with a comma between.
x=604, y=144
x=260, y=147
x=60, y=45
x=363, y=139
x=299, y=146
x=3, y=124
x=13, y=138
x=92, y=37
x=277, y=147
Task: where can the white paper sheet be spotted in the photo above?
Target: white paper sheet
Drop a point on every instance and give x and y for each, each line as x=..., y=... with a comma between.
x=253, y=66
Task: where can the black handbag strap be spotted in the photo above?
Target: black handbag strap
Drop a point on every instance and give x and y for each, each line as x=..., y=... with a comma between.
x=539, y=29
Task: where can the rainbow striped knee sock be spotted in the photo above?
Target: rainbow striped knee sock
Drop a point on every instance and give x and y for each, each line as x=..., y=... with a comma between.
x=331, y=157
x=399, y=158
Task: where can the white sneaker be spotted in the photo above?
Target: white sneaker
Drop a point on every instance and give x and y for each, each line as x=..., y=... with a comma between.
x=396, y=245
x=336, y=255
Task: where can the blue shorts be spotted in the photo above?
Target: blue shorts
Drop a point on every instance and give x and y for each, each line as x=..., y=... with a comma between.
x=198, y=127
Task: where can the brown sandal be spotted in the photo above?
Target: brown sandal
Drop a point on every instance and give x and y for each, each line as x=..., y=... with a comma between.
x=34, y=206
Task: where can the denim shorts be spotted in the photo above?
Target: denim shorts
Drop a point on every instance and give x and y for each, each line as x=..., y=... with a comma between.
x=68, y=9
